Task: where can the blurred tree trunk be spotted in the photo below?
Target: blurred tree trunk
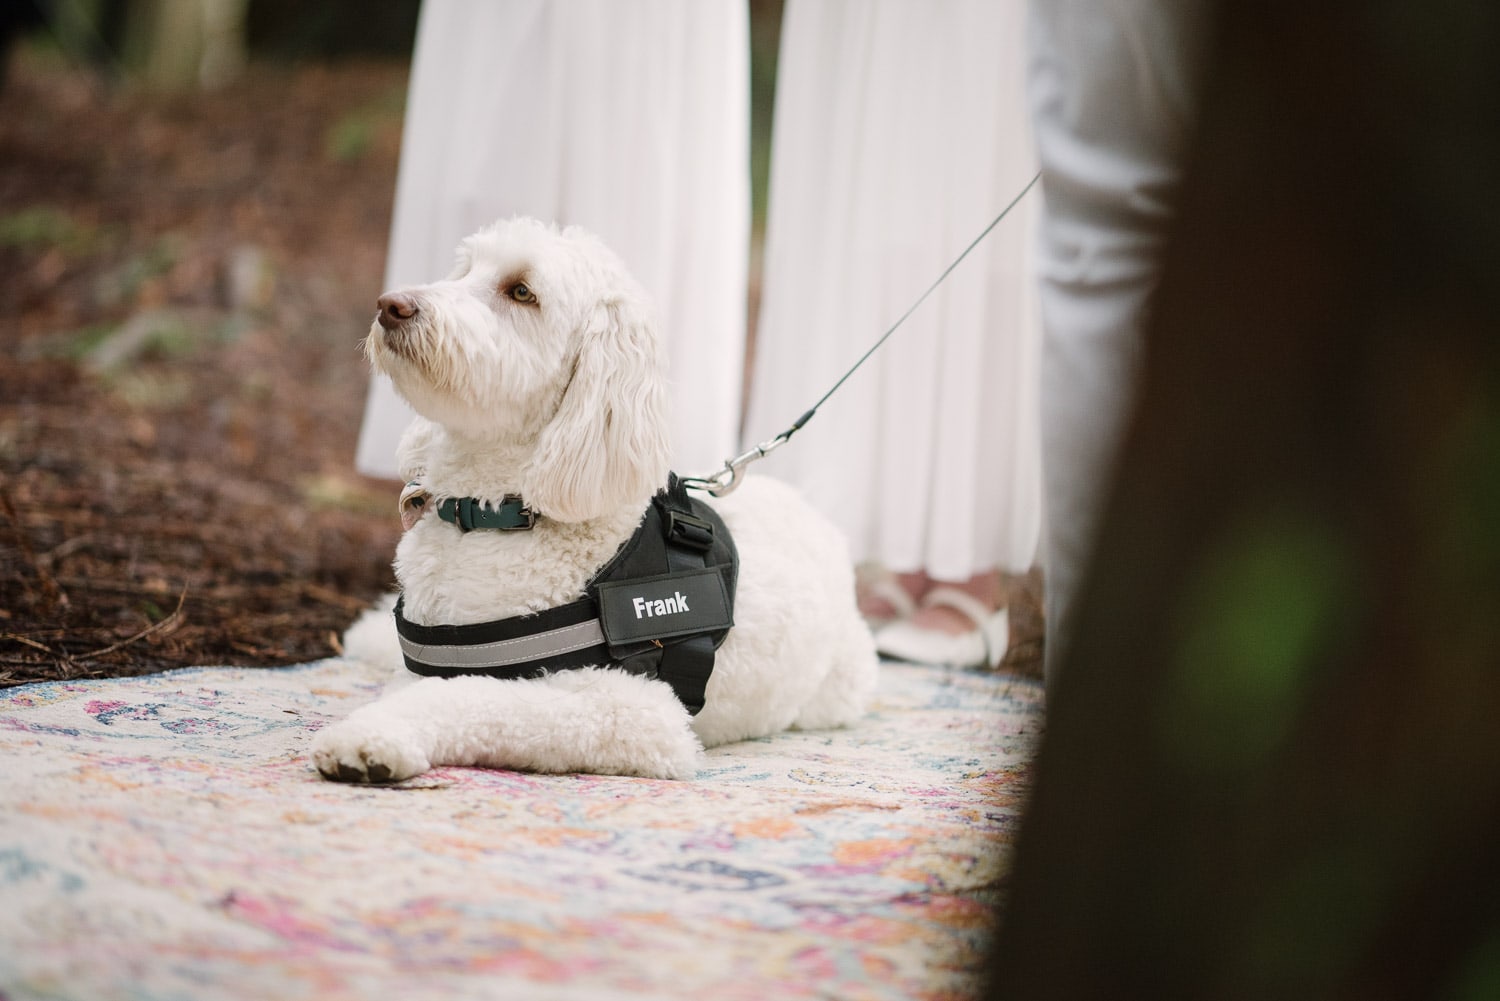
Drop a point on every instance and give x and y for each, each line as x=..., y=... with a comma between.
x=185, y=44
x=1272, y=763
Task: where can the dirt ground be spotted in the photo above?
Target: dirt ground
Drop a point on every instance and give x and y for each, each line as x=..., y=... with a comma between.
x=187, y=280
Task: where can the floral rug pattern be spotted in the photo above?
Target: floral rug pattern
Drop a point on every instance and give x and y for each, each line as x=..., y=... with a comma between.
x=167, y=838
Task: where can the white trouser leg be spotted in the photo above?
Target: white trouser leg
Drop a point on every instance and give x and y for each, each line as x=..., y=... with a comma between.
x=1111, y=88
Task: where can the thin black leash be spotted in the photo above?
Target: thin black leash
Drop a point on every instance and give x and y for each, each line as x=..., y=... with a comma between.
x=728, y=478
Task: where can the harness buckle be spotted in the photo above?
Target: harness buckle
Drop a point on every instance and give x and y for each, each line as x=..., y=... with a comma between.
x=689, y=531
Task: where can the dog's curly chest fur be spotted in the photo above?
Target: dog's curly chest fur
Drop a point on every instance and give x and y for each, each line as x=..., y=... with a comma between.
x=459, y=578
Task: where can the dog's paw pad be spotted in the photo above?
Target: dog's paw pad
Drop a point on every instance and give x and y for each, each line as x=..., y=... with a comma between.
x=352, y=752
x=343, y=773
x=377, y=772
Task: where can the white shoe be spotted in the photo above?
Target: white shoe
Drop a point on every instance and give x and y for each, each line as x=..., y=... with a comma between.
x=983, y=646
x=875, y=581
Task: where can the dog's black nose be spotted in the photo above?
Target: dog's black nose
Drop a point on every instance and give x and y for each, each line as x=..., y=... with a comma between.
x=395, y=309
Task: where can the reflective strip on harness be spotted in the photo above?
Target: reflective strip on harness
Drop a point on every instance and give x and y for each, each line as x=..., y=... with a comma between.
x=505, y=653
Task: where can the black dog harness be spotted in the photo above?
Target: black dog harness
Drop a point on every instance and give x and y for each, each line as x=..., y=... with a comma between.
x=660, y=607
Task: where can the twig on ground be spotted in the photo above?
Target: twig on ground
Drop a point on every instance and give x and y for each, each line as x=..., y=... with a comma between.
x=155, y=627
x=31, y=643
x=68, y=547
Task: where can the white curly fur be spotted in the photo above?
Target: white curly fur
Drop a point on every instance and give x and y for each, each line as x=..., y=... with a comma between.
x=561, y=400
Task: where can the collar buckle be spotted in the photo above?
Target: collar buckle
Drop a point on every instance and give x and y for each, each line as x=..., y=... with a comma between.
x=526, y=516
x=510, y=515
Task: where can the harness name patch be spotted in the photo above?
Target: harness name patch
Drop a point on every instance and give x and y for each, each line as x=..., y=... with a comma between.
x=673, y=604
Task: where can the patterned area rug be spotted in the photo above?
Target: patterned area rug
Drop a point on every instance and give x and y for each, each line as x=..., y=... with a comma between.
x=166, y=838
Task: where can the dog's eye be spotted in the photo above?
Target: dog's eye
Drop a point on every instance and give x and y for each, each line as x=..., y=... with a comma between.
x=521, y=292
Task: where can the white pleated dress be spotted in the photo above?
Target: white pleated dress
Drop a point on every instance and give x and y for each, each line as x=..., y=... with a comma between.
x=900, y=131
x=627, y=117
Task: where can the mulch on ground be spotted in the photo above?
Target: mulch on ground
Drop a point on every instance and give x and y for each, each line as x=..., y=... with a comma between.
x=188, y=280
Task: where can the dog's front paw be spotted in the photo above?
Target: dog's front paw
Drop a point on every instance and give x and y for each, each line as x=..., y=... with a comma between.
x=358, y=750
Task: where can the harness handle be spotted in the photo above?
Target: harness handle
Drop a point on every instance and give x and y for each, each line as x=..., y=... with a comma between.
x=728, y=478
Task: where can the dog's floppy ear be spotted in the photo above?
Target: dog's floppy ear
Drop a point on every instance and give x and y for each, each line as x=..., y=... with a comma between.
x=607, y=444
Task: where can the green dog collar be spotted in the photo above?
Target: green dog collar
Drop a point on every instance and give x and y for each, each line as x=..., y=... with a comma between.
x=512, y=514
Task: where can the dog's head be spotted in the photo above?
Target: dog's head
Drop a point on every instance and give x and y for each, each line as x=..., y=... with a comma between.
x=540, y=341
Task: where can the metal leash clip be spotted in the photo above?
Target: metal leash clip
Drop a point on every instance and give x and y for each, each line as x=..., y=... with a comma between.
x=727, y=479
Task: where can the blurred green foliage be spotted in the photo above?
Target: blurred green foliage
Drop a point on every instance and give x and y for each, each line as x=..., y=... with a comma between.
x=1479, y=980
x=352, y=136
x=37, y=229
x=1274, y=596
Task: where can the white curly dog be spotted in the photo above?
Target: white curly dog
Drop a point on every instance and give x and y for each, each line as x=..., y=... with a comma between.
x=536, y=371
